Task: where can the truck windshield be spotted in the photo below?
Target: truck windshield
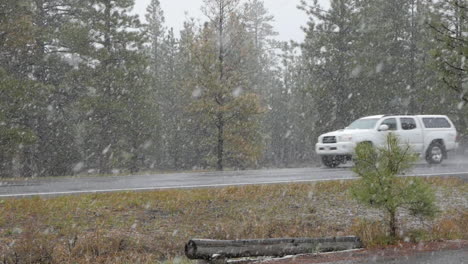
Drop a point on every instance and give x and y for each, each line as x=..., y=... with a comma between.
x=367, y=123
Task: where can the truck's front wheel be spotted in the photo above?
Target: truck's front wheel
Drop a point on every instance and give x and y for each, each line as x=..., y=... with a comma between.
x=331, y=161
x=435, y=153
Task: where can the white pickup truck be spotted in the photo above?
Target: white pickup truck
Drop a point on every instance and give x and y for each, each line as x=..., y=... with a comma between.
x=431, y=136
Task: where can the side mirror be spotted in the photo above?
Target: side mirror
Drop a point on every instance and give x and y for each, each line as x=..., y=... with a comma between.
x=383, y=128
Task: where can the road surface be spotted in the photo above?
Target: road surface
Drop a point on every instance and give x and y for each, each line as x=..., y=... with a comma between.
x=77, y=185
x=435, y=252
x=436, y=257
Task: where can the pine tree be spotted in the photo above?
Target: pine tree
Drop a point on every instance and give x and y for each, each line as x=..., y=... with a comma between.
x=55, y=124
x=381, y=187
x=15, y=101
x=258, y=23
x=120, y=117
x=155, y=18
x=15, y=42
x=39, y=28
x=368, y=57
x=174, y=99
x=449, y=51
x=194, y=133
x=449, y=25
x=155, y=34
x=225, y=102
x=329, y=54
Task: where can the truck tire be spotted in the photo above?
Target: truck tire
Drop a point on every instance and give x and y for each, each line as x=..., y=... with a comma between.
x=330, y=161
x=435, y=153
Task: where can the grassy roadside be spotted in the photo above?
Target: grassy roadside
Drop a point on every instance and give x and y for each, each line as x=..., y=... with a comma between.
x=147, y=227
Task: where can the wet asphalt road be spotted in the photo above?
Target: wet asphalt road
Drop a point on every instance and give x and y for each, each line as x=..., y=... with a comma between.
x=77, y=185
x=436, y=257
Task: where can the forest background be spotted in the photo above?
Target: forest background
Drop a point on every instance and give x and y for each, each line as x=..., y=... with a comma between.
x=88, y=88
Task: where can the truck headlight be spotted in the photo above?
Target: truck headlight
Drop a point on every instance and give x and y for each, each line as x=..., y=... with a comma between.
x=345, y=138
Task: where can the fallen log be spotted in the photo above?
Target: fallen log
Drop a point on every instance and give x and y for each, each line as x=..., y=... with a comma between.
x=207, y=249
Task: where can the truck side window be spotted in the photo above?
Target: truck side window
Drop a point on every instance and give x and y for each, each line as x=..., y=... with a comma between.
x=436, y=122
x=391, y=123
x=407, y=123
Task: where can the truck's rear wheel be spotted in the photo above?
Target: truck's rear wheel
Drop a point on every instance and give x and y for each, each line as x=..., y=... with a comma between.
x=331, y=161
x=435, y=153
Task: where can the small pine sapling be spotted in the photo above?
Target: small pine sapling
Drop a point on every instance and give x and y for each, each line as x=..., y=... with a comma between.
x=381, y=187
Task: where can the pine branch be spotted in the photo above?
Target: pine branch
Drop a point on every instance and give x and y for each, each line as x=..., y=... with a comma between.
x=454, y=67
x=456, y=89
x=444, y=33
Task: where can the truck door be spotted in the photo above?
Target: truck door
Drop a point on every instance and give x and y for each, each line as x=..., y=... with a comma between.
x=410, y=133
x=392, y=128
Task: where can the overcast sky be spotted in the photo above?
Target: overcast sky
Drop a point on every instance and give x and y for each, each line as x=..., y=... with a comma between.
x=288, y=19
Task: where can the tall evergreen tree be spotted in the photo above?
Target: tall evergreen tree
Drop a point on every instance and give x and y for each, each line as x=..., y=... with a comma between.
x=329, y=52
x=15, y=101
x=38, y=55
x=155, y=19
x=258, y=23
x=194, y=132
x=155, y=32
x=449, y=50
x=120, y=118
x=449, y=24
x=225, y=100
x=367, y=57
x=263, y=60
x=16, y=39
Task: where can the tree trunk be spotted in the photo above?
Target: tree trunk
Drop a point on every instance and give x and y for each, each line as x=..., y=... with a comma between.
x=219, y=98
x=209, y=249
x=393, y=223
x=220, y=146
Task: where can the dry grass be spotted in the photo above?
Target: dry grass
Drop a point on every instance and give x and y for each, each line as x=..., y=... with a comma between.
x=149, y=227
x=372, y=233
